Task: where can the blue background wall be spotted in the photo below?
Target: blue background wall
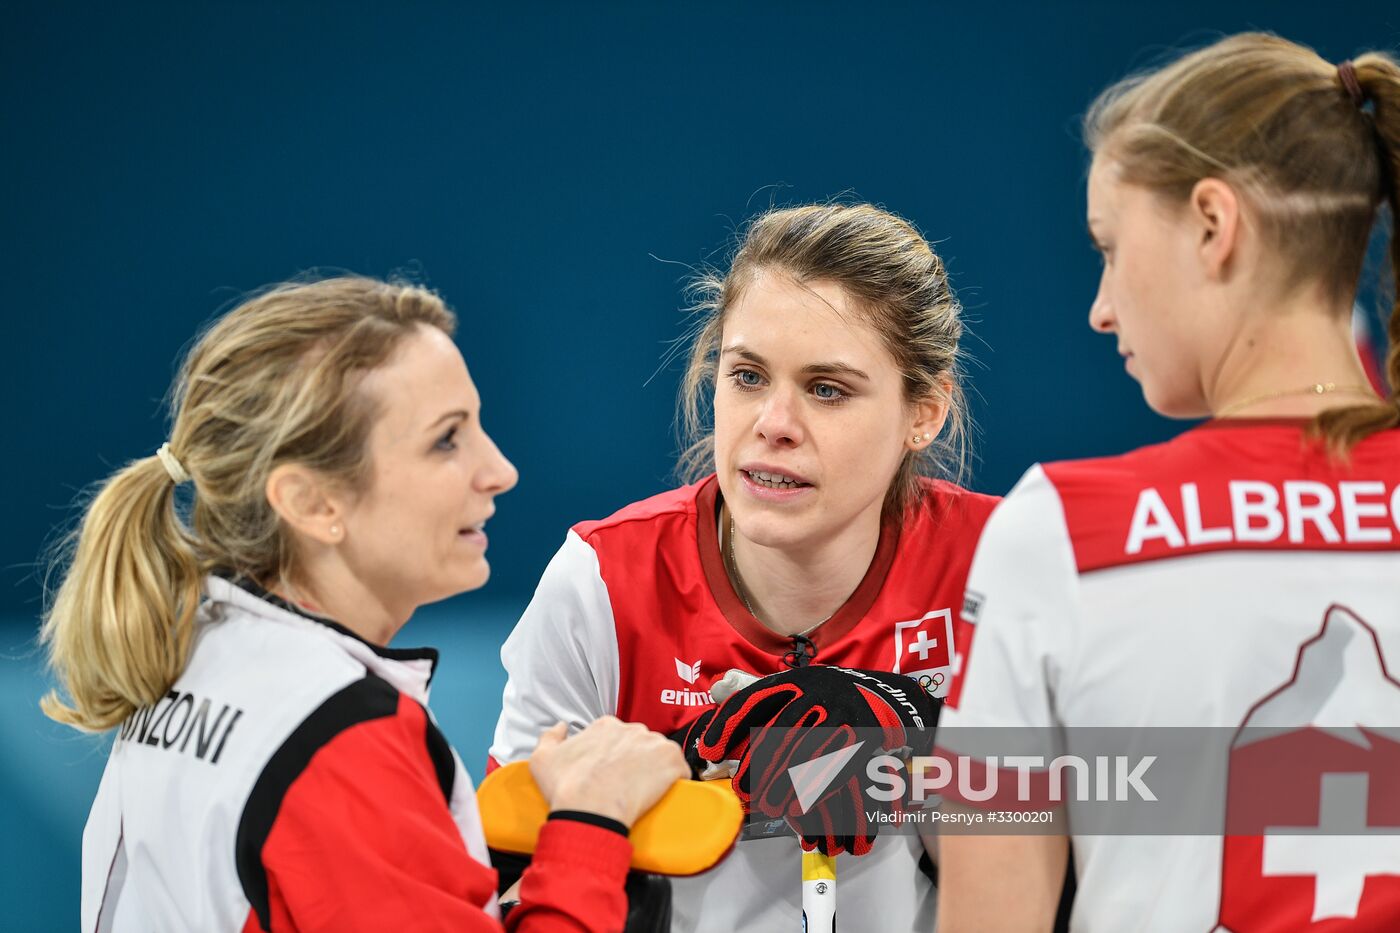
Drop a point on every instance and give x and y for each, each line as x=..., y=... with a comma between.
x=552, y=169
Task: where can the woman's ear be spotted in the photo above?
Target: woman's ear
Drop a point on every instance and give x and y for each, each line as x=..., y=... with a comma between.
x=1214, y=213
x=303, y=499
x=930, y=414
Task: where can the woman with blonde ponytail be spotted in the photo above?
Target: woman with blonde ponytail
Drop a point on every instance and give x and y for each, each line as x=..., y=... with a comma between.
x=1245, y=574
x=275, y=767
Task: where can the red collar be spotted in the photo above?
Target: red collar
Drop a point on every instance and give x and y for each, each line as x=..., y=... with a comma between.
x=754, y=632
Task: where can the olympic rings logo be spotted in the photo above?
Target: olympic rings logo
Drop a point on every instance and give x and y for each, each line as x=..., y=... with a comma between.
x=932, y=681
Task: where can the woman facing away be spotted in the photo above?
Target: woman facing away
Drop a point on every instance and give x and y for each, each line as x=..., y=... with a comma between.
x=275, y=767
x=1246, y=573
x=807, y=545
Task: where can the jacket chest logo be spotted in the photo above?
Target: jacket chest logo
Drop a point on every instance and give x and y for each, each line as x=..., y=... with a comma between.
x=690, y=673
x=922, y=649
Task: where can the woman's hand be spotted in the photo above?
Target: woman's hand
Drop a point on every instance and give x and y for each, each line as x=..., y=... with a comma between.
x=612, y=768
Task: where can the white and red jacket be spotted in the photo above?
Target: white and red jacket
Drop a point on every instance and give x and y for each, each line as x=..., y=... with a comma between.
x=1235, y=576
x=293, y=780
x=635, y=616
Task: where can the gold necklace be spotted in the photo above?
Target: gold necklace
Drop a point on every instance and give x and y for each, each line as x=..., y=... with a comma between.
x=732, y=566
x=1317, y=388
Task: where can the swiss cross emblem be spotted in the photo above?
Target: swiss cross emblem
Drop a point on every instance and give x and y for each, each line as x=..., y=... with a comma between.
x=1312, y=816
x=921, y=649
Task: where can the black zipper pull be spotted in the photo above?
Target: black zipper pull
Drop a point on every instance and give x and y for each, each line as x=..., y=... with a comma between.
x=802, y=653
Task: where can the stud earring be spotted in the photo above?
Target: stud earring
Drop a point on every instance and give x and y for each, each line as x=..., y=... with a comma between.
x=928, y=437
x=335, y=532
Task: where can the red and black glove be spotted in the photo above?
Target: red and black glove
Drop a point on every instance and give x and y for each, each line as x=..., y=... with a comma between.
x=785, y=708
x=688, y=736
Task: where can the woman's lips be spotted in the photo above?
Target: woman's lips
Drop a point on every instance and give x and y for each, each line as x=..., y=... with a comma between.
x=760, y=485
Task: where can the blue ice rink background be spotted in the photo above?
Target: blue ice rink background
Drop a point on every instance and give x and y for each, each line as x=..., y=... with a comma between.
x=554, y=169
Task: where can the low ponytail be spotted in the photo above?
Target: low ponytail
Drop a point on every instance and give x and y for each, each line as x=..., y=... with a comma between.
x=1378, y=77
x=119, y=628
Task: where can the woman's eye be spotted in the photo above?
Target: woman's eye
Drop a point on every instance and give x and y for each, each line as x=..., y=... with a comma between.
x=447, y=441
x=746, y=378
x=827, y=392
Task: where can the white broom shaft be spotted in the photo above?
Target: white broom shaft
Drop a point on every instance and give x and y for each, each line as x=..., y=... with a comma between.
x=818, y=893
x=818, y=871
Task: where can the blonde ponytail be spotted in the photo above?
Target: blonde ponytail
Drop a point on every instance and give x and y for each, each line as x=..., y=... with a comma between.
x=118, y=630
x=1378, y=79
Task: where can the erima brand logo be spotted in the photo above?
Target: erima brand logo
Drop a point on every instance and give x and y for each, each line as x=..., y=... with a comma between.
x=689, y=673
x=686, y=697
x=176, y=719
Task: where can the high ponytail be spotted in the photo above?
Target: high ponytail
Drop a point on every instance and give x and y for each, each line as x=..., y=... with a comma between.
x=276, y=380
x=119, y=627
x=1379, y=79
x=1291, y=132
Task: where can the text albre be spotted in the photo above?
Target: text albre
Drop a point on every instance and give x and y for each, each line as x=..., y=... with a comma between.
x=1300, y=513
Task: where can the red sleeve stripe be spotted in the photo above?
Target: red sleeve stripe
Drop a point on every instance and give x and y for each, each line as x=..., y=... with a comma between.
x=366, y=699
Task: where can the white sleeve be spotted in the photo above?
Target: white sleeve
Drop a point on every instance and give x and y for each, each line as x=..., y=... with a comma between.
x=561, y=660
x=104, y=855
x=1021, y=613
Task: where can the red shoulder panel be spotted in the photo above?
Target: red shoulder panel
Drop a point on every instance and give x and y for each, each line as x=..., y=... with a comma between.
x=364, y=840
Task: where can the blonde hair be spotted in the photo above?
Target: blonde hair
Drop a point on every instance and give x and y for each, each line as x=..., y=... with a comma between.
x=1277, y=121
x=274, y=381
x=897, y=282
